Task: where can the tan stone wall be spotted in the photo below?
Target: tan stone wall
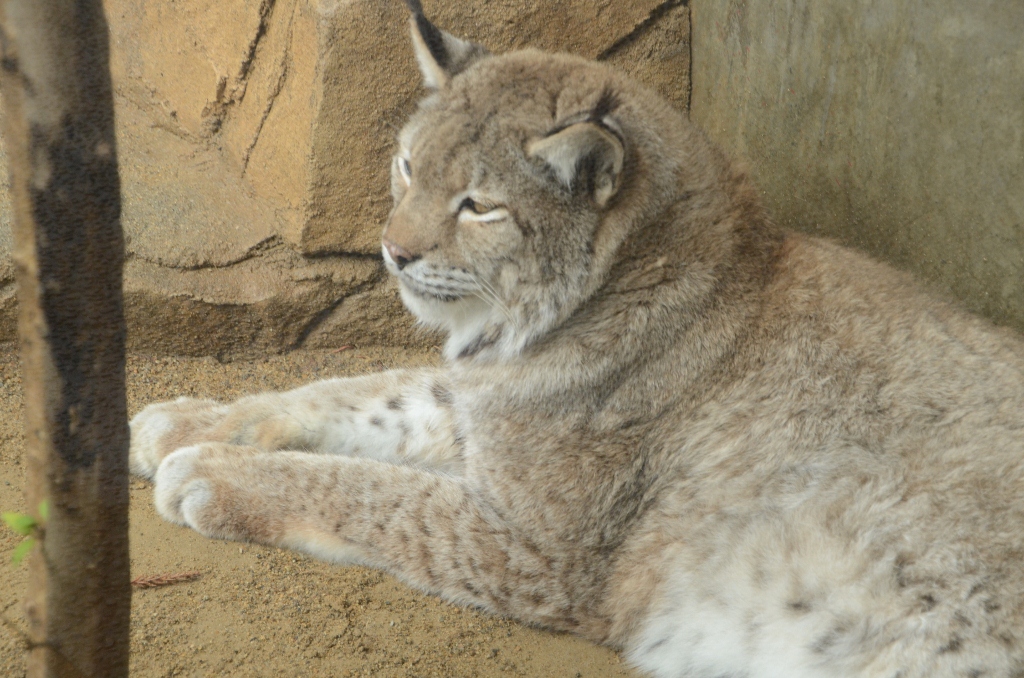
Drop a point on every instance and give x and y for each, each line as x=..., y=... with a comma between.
x=255, y=135
x=897, y=127
x=255, y=140
x=304, y=97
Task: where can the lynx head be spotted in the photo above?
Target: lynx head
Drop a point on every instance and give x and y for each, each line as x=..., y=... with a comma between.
x=514, y=184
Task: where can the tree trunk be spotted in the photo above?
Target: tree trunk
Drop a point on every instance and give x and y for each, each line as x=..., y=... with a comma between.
x=69, y=250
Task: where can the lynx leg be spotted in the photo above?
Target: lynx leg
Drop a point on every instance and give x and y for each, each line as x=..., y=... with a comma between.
x=429, y=529
x=401, y=416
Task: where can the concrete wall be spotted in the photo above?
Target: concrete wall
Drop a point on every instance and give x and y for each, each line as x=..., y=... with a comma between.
x=896, y=127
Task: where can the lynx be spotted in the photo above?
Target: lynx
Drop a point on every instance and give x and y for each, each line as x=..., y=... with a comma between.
x=662, y=423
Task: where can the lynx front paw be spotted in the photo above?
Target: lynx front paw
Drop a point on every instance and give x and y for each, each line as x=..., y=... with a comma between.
x=182, y=493
x=218, y=491
x=162, y=428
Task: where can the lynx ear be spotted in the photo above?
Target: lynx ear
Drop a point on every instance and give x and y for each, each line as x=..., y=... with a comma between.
x=586, y=154
x=441, y=56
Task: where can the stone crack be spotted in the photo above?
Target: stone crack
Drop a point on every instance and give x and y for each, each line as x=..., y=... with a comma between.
x=643, y=27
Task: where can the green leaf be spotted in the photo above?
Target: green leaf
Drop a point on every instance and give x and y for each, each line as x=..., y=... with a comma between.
x=44, y=510
x=23, y=549
x=20, y=523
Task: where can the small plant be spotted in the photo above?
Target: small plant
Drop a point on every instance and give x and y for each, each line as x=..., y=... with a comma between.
x=28, y=527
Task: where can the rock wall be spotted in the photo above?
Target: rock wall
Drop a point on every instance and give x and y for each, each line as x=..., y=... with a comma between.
x=897, y=127
x=303, y=97
x=255, y=139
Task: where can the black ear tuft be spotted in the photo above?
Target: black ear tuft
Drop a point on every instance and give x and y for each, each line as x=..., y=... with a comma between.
x=606, y=105
x=441, y=56
x=432, y=36
x=587, y=150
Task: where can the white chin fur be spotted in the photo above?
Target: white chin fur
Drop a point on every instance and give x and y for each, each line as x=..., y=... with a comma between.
x=463, y=320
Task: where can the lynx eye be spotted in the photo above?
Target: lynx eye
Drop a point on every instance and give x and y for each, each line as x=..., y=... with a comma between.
x=471, y=210
x=473, y=206
x=404, y=168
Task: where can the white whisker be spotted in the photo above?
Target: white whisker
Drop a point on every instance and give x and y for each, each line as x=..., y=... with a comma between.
x=487, y=292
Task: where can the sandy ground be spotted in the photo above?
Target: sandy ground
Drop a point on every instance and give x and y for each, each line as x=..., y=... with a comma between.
x=259, y=611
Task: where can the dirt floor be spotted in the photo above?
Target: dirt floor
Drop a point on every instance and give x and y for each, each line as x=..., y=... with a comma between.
x=259, y=611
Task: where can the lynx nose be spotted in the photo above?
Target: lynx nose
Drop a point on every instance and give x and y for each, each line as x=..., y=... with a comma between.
x=401, y=256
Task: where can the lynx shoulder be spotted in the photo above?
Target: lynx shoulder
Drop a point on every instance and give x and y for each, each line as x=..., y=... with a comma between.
x=662, y=422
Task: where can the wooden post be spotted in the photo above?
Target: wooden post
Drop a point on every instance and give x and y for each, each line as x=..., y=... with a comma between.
x=58, y=126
